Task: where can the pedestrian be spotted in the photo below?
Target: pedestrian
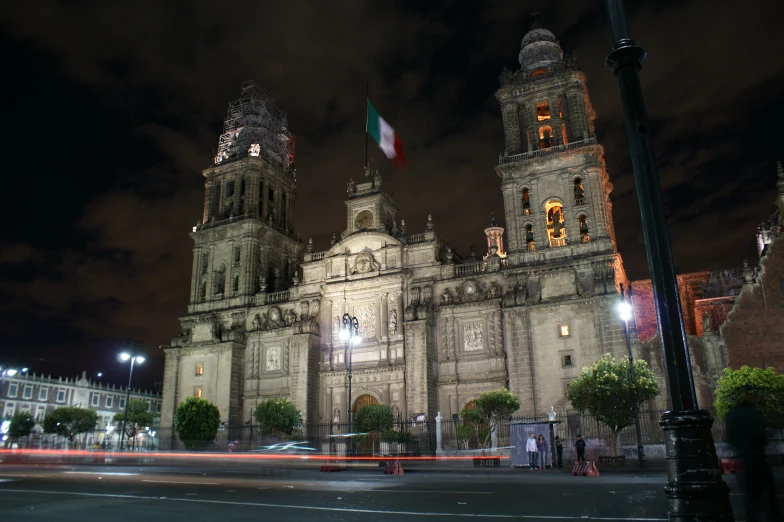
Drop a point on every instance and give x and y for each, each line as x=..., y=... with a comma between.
x=559, y=451
x=530, y=447
x=541, y=448
x=746, y=434
x=579, y=445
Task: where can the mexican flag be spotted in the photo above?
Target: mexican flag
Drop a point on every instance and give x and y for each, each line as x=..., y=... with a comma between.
x=385, y=136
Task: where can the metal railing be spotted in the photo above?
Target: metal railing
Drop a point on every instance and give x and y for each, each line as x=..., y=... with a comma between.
x=543, y=152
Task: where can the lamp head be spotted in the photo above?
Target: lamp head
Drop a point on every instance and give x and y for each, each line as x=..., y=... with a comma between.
x=625, y=310
x=139, y=359
x=124, y=356
x=356, y=339
x=11, y=372
x=343, y=335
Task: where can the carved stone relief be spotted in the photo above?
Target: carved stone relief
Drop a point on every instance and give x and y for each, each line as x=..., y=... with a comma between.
x=473, y=339
x=273, y=359
x=366, y=315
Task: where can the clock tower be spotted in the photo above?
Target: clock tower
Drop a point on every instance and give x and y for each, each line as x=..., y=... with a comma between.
x=368, y=207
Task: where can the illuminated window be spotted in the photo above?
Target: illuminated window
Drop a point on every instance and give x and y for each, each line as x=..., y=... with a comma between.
x=567, y=360
x=563, y=134
x=542, y=111
x=556, y=229
x=538, y=72
x=546, y=139
x=563, y=330
x=584, y=236
x=199, y=369
x=197, y=392
x=526, y=202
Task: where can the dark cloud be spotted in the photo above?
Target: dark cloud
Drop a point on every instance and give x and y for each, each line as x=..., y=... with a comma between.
x=114, y=110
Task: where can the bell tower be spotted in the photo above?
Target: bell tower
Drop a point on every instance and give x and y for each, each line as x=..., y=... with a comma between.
x=245, y=244
x=555, y=184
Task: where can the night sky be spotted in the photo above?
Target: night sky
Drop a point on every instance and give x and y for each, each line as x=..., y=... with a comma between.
x=111, y=111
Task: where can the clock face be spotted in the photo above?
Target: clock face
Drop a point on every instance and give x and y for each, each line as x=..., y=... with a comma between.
x=364, y=219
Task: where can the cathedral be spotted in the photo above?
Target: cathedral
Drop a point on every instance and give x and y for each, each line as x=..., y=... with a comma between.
x=436, y=329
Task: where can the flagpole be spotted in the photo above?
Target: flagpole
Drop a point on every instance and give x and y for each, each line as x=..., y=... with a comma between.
x=367, y=97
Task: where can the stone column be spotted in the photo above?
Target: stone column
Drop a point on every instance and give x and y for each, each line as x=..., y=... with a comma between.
x=439, y=437
x=383, y=330
x=265, y=199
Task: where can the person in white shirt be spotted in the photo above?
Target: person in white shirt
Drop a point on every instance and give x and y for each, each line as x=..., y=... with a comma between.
x=530, y=447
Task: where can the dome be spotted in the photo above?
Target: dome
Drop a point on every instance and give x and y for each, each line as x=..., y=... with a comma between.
x=539, y=48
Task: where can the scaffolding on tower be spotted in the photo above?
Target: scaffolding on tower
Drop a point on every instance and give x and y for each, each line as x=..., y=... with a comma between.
x=255, y=126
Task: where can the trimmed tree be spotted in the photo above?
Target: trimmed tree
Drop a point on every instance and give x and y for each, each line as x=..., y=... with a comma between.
x=493, y=407
x=139, y=417
x=69, y=422
x=196, y=423
x=374, y=417
x=766, y=386
x=607, y=392
x=277, y=417
x=20, y=425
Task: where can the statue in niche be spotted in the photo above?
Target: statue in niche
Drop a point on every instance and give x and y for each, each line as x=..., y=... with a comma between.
x=273, y=359
x=493, y=292
x=336, y=326
x=395, y=412
x=392, y=322
x=256, y=323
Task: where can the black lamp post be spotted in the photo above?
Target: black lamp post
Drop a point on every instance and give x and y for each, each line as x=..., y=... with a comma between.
x=695, y=490
x=625, y=311
x=350, y=333
x=130, y=355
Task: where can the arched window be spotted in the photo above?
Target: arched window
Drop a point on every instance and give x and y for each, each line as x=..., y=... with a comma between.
x=526, y=202
x=584, y=236
x=261, y=198
x=235, y=287
x=237, y=253
x=538, y=72
x=579, y=192
x=220, y=279
x=216, y=201
x=203, y=291
x=556, y=229
x=542, y=111
x=546, y=139
x=230, y=189
x=529, y=238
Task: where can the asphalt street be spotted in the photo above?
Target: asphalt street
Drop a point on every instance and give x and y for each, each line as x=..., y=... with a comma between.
x=276, y=493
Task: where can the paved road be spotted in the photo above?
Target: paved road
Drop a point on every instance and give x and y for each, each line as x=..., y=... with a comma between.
x=275, y=493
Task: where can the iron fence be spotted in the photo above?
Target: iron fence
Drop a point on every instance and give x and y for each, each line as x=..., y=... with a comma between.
x=406, y=438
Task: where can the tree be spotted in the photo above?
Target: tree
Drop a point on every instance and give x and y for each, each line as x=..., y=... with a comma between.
x=766, y=386
x=374, y=417
x=278, y=417
x=139, y=417
x=196, y=423
x=490, y=408
x=21, y=425
x=606, y=391
x=69, y=422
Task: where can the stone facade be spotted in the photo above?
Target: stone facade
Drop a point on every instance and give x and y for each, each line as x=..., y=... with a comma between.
x=437, y=330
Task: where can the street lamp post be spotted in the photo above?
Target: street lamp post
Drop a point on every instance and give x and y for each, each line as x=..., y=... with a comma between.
x=350, y=333
x=133, y=356
x=625, y=311
x=695, y=490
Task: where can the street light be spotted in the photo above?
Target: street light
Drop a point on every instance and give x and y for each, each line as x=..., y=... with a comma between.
x=695, y=490
x=350, y=333
x=625, y=311
x=133, y=356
